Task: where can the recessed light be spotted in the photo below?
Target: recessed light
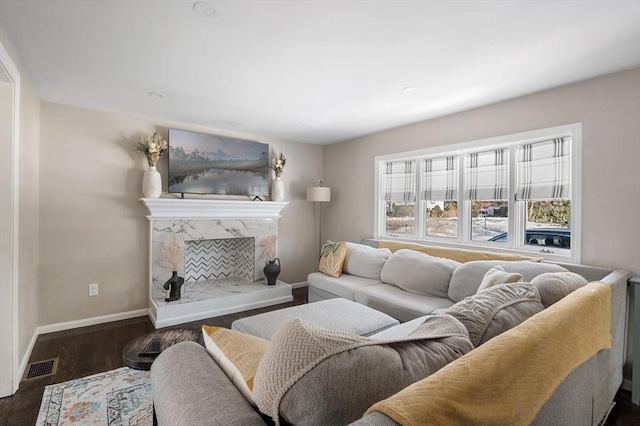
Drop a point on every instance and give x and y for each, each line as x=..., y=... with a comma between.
x=156, y=94
x=409, y=89
x=307, y=126
x=205, y=8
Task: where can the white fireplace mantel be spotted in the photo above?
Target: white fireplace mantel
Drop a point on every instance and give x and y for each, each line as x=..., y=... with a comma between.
x=175, y=208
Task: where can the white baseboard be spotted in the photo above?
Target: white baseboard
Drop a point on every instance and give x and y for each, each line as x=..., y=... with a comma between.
x=27, y=355
x=68, y=326
x=61, y=326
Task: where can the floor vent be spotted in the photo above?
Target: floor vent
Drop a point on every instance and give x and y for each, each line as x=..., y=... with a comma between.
x=39, y=369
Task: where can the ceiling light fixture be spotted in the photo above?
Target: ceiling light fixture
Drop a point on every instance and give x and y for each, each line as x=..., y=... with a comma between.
x=307, y=126
x=409, y=89
x=156, y=95
x=205, y=8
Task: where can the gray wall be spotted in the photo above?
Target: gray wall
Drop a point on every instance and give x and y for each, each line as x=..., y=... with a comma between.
x=93, y=228
x=608, y=108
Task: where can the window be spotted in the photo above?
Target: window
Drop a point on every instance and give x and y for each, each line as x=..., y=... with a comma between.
x=487, y=187
x=512, y=193
x=398, y=187
x=543, y=173
x=439, y=183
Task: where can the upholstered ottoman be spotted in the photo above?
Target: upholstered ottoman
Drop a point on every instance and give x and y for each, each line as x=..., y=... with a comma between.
x=334, y=314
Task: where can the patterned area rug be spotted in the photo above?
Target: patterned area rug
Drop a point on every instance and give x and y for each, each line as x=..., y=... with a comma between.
x=117, y=397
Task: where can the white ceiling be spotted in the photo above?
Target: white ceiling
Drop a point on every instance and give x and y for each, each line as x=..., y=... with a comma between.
x=313, y=71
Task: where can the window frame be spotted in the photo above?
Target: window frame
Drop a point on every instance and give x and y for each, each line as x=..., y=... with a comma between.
x=517, y=213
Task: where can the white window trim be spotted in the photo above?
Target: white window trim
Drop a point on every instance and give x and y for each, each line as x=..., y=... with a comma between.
x=515, y=230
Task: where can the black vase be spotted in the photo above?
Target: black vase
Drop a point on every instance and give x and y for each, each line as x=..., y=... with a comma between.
x=272, y=270
x=173, y=285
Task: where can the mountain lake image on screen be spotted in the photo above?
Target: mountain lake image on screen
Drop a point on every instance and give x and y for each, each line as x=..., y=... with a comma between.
x=209, y=164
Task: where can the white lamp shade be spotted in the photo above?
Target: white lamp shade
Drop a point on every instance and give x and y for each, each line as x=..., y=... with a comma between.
x=319, y=193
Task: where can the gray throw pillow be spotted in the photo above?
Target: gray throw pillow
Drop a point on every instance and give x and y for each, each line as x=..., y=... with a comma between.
x=418, y=272
x=314, y=376
x=496, y=310
x=554, y=286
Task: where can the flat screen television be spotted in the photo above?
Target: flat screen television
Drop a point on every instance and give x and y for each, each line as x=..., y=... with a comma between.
x=209, y=164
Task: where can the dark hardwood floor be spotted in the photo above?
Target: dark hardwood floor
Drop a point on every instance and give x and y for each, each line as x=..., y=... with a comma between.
x=95, y=349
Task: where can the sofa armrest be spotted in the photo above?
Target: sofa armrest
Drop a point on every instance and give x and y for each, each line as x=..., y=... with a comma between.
x=190, y=389
x=610, y=363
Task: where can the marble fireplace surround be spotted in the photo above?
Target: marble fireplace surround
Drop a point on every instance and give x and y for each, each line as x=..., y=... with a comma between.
x=204, y=232
x=208, y=223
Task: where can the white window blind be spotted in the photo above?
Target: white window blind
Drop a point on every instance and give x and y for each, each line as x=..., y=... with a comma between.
x=487, y=175
x=399, y=181
x=544, y=170
x=440, y=179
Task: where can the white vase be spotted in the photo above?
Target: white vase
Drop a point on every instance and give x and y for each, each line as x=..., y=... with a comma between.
x=151, y=183
x=277, y=190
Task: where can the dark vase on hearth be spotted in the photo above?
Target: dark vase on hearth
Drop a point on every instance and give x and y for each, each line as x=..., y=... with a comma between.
x=173, y=286
x=272, y=270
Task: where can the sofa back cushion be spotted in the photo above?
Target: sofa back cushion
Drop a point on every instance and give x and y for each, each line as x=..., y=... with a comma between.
x=365, y=261
x=466, y=279
x=496, y=310
x=553, y=286
x=311, y=375
x=418, y=272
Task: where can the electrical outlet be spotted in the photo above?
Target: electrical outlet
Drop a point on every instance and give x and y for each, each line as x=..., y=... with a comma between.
x=93, y=289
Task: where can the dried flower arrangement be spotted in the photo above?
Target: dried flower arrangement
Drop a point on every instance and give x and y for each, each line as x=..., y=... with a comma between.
x=153, y=147
x=270, y=247
x=278, y=162
x=173, y=252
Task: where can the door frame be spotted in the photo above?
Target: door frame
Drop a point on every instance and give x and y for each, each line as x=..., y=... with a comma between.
x=10, y=351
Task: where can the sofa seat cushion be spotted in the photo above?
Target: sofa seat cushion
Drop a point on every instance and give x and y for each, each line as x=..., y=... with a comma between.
x=365, y=261
x=345, y=286
x=314, y=376
x=400, y=304
x=418, y=272
x=466, y=279
x=496, y=310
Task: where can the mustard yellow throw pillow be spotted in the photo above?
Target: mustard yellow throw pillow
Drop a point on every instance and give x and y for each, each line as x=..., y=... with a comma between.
x=238, y=355
x=497, y=275
x=332, y=258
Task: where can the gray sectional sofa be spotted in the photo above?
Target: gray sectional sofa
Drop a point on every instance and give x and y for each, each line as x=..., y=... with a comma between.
x=190, y=388
x=406, y=284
